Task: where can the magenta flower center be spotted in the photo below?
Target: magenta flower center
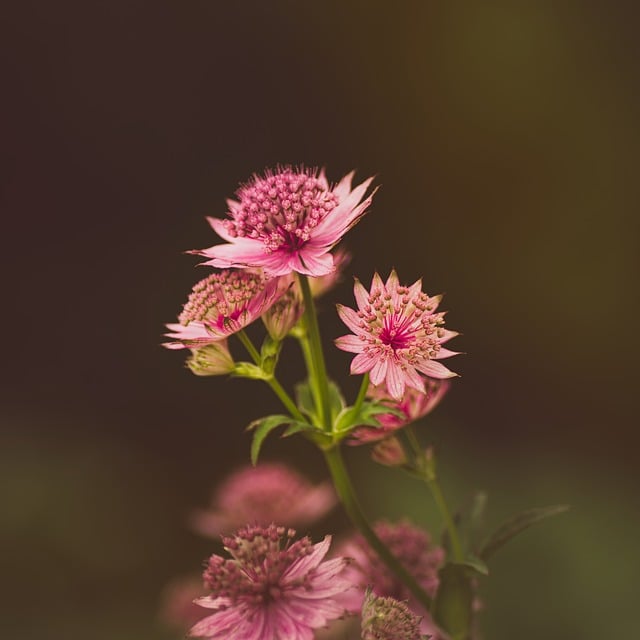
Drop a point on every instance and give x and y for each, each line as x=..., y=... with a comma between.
x=222, y=296
x=281, y=209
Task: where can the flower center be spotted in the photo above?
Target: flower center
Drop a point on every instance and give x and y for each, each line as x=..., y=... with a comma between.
x=396, y=333
x=281, y=209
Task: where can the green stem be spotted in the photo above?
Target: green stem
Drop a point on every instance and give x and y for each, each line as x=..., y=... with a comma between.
x=303, y=338
x=348, y=498
x=271, y=380
x=428, y=474
x=319, y=370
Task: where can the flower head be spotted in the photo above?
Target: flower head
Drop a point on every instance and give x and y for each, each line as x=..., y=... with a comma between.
x=410, y=545
x=413, y=406
x=211, y=360
x=388, y=619
x=284, y=314
x=398, y=333
x=287, y=221
x=222, y=304
x=264, y=494
x=271, y=588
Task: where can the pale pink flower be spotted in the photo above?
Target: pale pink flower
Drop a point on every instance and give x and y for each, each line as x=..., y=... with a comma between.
x=177, y=607
x=284, y=314
x=398, y=333
x=286, y=221
x=272, y=588
x=222, y=304
x=388, y=619
x=412, y=547
x=413, y=406
x=269, y=492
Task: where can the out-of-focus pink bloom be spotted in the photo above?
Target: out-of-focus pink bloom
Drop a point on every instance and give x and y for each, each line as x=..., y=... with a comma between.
x=320, y=285
x=397, y=333
x=272, y=588
x=177, y=608
x=287, y=221
x=413, y=406
x=264, y=494
x=388, y=619
x=412, y=547
x=222, y=304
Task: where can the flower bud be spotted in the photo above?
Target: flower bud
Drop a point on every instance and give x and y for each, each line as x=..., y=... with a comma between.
x=389, y=452
x=283, y=315
x=211, y=360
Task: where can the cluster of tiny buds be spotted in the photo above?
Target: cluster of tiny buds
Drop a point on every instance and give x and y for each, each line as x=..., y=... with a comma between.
x=221, y=294
x=260, y=555
x=280, y=208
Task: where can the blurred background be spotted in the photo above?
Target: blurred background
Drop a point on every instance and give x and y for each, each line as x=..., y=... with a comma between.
x=505, y=138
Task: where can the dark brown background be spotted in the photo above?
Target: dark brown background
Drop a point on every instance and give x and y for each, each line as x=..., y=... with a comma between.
x=505, y=138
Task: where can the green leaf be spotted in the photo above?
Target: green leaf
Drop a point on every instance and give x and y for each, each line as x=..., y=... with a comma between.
x=304, y=400
x=515, y=525
x=248, y=370
x=262, y=428
x=476, y=565
x=453, y=601
x=336, y=400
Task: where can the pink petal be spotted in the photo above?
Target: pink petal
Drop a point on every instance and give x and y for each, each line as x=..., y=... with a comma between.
x=343, y=188
x=378, y=371
x=218, y=226
x=362, y=363
x=350, y=318
x=434, y=369
x=313, y=262
x=350, y=343
x=446, y=353
x=361, y=294
x=396, y=380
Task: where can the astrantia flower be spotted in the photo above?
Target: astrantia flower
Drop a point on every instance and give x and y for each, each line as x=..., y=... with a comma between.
x=398, y=333
x=284, y=314
x=222, y=304
x=388, y=619
x=413, y=406
x=287, y=221
x=264, y=494
x=272, y=588
x=412, y=547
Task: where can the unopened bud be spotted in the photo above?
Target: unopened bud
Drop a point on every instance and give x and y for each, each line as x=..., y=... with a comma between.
x=212, y=360
x=283, y=315
x=389, y=452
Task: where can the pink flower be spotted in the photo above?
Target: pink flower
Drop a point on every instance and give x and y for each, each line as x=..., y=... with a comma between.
x=264, y=494
x=272, y=588
x=397, y=334
x=412, y=547
x=222, y=304
x=287, y=221
x=413, y=406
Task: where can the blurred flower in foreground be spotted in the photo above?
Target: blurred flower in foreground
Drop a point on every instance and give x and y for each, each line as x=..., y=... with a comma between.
x=412, y=547
x=397, y=334
x=272, y=588
x=413, y=406
x=177, y=608
x=222, y=304
x=287, y=221
x=264, y=494
x=388, y=619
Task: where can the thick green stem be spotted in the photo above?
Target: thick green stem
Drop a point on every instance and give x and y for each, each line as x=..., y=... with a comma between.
x=347, y=495
x=319, y=369
x=271, y=380
x=428, y=474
